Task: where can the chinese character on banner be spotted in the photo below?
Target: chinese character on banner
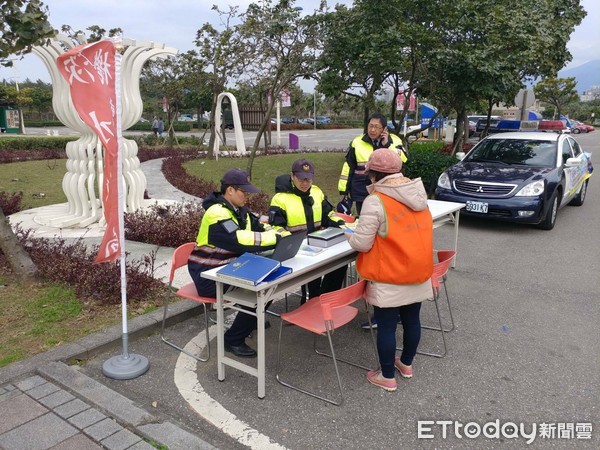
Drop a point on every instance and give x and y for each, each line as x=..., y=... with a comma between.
x=90, y=71
x=286, y=99
x=400, y=102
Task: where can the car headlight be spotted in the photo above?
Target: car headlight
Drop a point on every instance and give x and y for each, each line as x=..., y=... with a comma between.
x=444, y=181
x=532, y=189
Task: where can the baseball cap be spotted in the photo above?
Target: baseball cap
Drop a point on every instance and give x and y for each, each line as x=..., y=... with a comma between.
x=384, y=160
x=303, y=169
x=239, y=178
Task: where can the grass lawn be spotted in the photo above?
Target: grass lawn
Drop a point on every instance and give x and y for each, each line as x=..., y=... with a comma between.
x=33, y=178
x=37, y=317
x=266, y=168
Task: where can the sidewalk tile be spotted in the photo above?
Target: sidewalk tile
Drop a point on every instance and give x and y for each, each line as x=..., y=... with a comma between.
x=56, y=399
x=87, y=418
x=78, y=442
x=42, y=390
x=103, y=429
x=142, y=445
x=121, y=440
x=70, y=409
x=19, y=410
x=39, y=434
x=30, y=383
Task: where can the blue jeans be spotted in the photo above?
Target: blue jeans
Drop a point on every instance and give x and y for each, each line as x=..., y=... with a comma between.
x=387, y=322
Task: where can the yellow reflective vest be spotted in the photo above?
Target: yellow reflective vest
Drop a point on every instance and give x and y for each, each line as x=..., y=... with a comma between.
x=224, y=235
x=354, y=182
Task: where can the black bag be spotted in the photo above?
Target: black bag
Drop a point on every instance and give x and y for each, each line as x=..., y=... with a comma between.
x=344, y=206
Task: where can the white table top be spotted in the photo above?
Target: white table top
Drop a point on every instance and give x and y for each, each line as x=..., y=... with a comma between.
x=439, y=208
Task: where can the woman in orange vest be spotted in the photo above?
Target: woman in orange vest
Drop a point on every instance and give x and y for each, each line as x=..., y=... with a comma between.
x=395, y=239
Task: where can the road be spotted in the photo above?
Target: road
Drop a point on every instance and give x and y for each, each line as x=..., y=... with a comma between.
x=525, y=351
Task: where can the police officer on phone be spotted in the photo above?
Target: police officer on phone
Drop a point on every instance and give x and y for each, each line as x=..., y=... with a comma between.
x=353, y=180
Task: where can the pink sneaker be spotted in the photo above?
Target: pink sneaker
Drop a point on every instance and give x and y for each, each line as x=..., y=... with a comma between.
x=375, y=377
x=405, y=371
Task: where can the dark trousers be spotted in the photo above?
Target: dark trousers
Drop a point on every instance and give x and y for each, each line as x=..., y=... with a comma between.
x=243, y=324
x=387, y=322
x=358, y=208
x=328, y=283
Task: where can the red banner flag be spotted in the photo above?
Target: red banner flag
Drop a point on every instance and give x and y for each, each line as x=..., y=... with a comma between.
x=91, y=71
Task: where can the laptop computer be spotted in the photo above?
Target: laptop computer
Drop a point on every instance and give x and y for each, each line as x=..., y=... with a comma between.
x=287, y=247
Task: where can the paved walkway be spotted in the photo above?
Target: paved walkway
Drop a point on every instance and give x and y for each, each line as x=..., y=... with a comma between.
x=47, y=404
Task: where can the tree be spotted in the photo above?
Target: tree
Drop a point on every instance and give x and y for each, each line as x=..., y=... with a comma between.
x=23, y=23
x=223, y=51
x=280, y=47
x=356, y=54
x=179, y=79
x=558, y=92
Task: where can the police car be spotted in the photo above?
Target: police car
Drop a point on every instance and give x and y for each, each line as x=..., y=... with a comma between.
x=520, y=177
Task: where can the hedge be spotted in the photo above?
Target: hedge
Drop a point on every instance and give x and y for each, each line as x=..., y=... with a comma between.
x=426, y=161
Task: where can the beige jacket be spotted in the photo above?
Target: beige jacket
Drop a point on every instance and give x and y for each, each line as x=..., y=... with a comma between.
x=372, y=220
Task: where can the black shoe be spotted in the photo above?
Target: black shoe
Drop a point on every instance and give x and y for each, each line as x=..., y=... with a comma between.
x=242, y=350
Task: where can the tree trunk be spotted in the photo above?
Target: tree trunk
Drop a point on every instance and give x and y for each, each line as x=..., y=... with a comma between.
x=19, y=260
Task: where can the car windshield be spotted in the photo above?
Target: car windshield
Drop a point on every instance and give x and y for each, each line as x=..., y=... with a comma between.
x=515, y=151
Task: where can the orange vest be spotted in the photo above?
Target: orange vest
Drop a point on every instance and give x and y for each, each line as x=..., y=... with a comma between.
x=404, y=254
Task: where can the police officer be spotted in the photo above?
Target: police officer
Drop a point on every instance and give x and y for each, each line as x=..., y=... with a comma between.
x=353, y=179
x=299, y=206
x=229, y=229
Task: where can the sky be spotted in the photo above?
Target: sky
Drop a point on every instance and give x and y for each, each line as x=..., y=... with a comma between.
x=176, y=22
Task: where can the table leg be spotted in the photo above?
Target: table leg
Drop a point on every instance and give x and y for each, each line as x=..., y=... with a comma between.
x=260, y=317
x=456, y=219
x=220, y=333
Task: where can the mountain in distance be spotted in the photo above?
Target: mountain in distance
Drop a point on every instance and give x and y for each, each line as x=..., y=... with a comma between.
x=587, y=75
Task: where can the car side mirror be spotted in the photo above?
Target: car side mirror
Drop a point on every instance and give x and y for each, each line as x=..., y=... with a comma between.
x=572, y=162
x=460, y=155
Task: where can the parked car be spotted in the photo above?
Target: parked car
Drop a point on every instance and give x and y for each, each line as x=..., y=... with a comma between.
x=481, y=123
x=306, y=121
x=185, y=118
x=288, y=120
x=323, y=120
x=579, y=127
x=520, y=177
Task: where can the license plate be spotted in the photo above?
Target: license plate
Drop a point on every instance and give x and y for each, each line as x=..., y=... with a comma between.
x=478, y=207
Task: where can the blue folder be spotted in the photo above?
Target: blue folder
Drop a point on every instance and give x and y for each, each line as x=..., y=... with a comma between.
x=249, y=269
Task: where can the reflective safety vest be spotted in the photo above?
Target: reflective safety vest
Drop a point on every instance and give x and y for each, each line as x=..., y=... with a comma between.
x=362, y=152
x=294, y=209
x=208, y=254
x=403, y=254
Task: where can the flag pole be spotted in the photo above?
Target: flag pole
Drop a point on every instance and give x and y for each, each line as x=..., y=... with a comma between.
x=127, y=365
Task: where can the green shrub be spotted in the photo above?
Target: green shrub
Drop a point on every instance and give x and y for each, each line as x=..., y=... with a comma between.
x=147, y=126
x=426, y=161
x=43, y=123
x=36, y=143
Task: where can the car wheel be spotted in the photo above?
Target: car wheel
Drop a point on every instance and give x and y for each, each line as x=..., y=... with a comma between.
x=550, y=219
x=575, y=130
x=580, y=198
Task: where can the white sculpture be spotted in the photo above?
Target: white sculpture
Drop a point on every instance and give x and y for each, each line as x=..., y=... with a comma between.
x=82, y=184
x=237, y=124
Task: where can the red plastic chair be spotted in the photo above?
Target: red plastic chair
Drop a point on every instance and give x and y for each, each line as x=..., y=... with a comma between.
x=347, y=217
x=321, y=316
x=352, y=276
x=180, y=259
x=445, y=257
x=440, y=271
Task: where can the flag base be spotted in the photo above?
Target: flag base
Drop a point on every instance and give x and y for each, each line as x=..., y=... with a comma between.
x=125, y=368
